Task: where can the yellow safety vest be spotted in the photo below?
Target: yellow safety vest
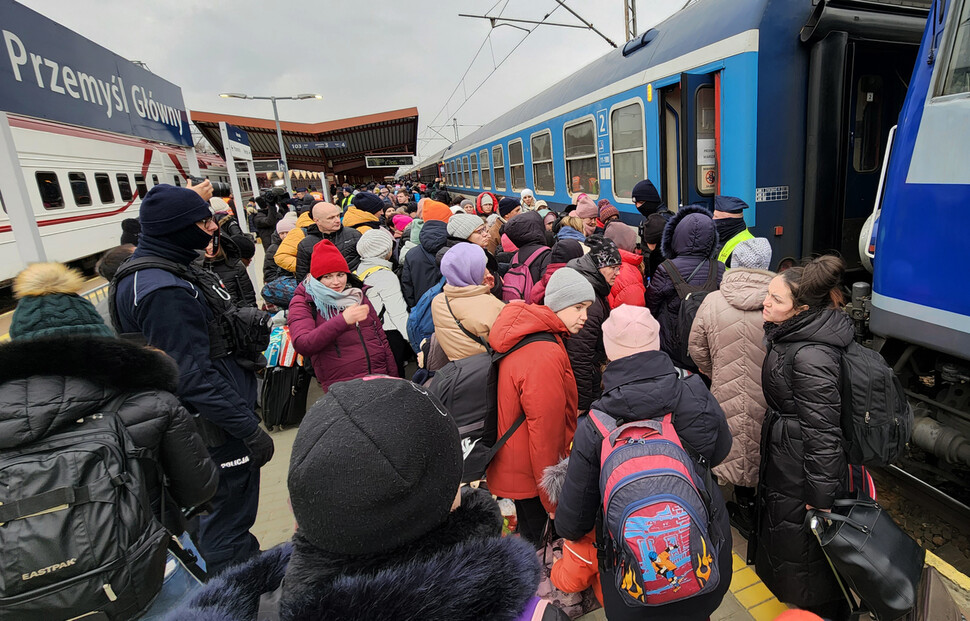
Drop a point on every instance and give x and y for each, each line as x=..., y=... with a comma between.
x=731, y=244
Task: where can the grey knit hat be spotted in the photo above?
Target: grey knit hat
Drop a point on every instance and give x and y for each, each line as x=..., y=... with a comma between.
x=752, y=253
x=375, y=243
x=567, y=287
x=462, y=225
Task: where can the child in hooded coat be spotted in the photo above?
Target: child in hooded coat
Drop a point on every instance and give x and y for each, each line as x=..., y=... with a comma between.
x=628, y=288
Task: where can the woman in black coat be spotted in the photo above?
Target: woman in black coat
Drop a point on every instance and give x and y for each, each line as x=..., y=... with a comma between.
x=644, y=386
x=228, y=266
x=803, y=462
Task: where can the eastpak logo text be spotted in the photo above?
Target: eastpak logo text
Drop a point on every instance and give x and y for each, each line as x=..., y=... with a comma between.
x=43, y=571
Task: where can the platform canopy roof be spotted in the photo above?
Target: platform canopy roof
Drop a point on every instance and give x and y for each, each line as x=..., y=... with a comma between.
x=395, y=132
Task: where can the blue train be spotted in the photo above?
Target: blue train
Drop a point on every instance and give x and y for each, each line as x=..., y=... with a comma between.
x=789, y=106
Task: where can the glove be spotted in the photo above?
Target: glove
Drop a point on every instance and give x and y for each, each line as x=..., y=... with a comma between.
x=260, y=447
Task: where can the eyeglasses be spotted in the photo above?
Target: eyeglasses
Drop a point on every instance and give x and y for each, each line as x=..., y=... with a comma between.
x=205, y=222
x=479, y=231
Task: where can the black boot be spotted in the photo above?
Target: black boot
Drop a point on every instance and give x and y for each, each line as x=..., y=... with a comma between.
x=741, y=510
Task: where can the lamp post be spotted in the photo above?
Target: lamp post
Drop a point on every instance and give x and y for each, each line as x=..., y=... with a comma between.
x=276, y=117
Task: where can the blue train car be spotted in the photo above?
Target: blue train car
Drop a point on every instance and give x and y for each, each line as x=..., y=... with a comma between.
x=786, y=105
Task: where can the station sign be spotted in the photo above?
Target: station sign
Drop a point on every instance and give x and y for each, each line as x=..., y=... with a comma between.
x=238, y=143
x=388, y=161
x=262, y=166
x=53, y=73
x=325, y=144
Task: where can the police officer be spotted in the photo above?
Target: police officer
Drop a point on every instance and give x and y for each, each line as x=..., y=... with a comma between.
x=172, y=314
x=731, y=227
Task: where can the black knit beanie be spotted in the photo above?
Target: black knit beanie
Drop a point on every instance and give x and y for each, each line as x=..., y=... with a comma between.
x=376, y=465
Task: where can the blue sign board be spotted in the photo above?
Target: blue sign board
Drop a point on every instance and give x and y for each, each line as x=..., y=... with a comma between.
x=327, y=144
x=51, y=72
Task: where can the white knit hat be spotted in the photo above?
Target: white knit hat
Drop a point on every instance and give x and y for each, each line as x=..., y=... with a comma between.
x=752, y=253
x=462, y=225
x=567, y=287
x=375, y=243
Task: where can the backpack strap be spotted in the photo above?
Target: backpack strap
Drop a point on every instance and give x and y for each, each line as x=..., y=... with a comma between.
x=683, y=287
x=535, y=255
x=468, y=333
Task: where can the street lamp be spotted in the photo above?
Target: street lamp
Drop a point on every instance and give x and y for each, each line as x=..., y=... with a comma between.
x=276, y=116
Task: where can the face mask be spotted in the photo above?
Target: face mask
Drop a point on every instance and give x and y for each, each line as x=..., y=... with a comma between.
x=190, y=237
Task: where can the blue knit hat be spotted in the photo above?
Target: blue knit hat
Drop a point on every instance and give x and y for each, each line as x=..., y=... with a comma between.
x=166, y=209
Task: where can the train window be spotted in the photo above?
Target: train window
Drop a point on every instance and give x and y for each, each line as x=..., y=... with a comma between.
x=451, y=173
x=50, y=190
x=154, y=180
x=956, y=76
x=582, y=171
x=124, y=186
x=543, y=174
x=867, y=133
x=486, y=170
x=105, y=193
x=178, y=181
x=707, y=173
x=465, y=176
x=516, y=166
x=498, y=161
x=473, y=160
x=141, y=186
x=79, y=188
x=629, y=155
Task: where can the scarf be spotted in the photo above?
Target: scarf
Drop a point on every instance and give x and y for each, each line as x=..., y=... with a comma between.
x=329, y=302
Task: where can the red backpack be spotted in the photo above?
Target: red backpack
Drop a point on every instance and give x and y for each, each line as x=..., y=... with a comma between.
x=517, y=283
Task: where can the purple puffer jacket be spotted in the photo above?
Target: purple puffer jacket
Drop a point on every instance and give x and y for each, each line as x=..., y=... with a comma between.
x=689, y=238
x=337, y=351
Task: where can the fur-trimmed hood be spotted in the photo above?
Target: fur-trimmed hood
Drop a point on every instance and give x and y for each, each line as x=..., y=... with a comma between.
x=47, y=381
x=696, y=236
x=461, y=571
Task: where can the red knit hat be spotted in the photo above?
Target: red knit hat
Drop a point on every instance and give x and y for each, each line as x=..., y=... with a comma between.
x=327, y=259
x=433, y=210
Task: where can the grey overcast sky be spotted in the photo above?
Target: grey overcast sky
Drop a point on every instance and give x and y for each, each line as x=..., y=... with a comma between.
x=363, y=56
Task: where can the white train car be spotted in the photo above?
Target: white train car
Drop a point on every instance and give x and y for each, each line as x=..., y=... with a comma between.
x=82, y=183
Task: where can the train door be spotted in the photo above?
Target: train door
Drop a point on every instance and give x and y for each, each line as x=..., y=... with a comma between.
x=698, y=104
x=670, y=144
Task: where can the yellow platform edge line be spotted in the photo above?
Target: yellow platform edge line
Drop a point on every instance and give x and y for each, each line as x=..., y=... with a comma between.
x=772, y=603
x=948, y=570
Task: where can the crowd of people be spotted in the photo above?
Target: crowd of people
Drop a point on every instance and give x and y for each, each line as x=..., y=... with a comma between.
x=593, y=323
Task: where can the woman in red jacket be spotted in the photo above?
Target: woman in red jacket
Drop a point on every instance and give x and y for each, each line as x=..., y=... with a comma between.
x=536, y=384
x=334, y=324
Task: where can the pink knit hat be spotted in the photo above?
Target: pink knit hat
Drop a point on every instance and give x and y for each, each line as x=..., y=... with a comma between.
x=586, y=208
x=630, y=330
x=401, y=221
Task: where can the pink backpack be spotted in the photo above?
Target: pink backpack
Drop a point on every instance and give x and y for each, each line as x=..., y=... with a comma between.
x=517, y=283
x=656, y=511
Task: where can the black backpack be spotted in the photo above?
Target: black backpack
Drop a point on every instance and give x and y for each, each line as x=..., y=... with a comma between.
x=240, y=331
x=78, y=535
x=691, y=297
x=876, y=420
x=468, y=388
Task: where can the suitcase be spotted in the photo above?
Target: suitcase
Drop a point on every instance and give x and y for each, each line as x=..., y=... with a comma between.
x=284, y=396
x=935, y=602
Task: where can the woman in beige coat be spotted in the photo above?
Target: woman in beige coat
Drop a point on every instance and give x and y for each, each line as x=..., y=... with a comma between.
x=465, y=310
x=727, y=344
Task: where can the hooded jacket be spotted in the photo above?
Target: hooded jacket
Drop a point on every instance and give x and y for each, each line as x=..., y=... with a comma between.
x=646, y=386
x=586, y=350
x=232, y=273
x=266, y=219
x=628, y=287
x=462, y=571
x=272, y=271
x=527, y=232
x=337, y=350
x=686, y=245
x=536, y=380
x=360, y=220
x=384, y=292
x=285, y=255
x=568, y=232
x=344, y=238
x=47, y=383
x=803, y=461
x=475, y=307
x=727, y=345
x=420, y=266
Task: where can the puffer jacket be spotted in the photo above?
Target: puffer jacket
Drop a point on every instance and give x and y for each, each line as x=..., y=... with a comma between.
x=272, y=271
x=475, y=307
x=231, y=271
x=536, y=380
x=689, y=239
x=338, y=351
x=539, y=288
x=285, y=255
x=344, y=238
x=527, y=232
x=360, y=220
x=646, y=386
x=803, y=460
x=628, y=287
x=384, y=292
x=586, y=350
x=48, y=383
x=421, y=271
x=475, y=572
x=727, y=345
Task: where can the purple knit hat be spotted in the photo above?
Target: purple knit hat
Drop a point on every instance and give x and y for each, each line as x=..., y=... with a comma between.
x=464, y=265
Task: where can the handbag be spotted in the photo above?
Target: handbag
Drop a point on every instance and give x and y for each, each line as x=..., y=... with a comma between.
x=879, y=561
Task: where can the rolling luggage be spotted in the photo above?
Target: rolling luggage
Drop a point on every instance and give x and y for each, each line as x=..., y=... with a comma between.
x=284, y=396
